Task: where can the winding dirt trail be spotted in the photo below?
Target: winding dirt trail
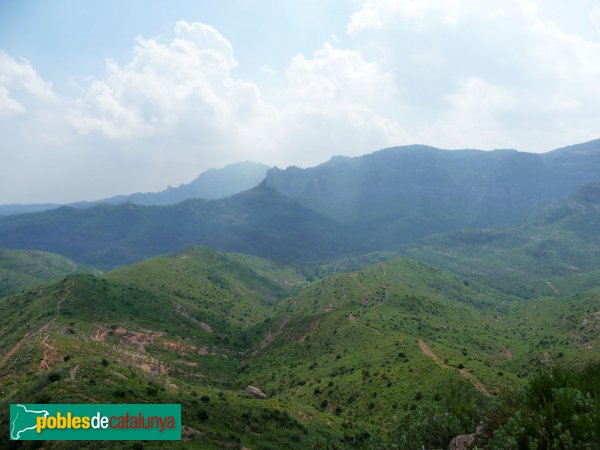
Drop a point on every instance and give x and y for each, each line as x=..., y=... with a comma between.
x=427, y=351
x=464, y=372
x=475, y=382
x=46, y=359
x=67, y=293
x=26, y=336
x=16, y=347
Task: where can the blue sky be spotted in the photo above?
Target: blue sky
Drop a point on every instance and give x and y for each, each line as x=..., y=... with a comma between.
x=66, y=38
x=102, y=97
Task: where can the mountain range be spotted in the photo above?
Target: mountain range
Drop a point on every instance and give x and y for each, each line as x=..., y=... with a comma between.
x=409, y=298
x=400, y=194
x=259, y=221
x=211, y=184
x=344, y=207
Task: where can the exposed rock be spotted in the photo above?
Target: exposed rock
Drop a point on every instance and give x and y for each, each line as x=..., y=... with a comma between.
x=255, y=392
x=188, y=433
x=462, y=442
x=474, y=440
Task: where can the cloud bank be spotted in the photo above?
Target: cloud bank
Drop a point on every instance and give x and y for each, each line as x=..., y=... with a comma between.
x=450, y=73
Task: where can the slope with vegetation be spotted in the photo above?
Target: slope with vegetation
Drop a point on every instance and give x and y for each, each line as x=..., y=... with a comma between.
x=21, y=269
x=394, y=352
x=259, y=221
x=555, y=252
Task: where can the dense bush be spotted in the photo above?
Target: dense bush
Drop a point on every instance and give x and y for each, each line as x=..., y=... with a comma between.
x=559, y=409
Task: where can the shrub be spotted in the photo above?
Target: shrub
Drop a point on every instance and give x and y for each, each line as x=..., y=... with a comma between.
x=54, y=377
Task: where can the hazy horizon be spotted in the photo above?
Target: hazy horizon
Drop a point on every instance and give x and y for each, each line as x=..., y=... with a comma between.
x=100, y=99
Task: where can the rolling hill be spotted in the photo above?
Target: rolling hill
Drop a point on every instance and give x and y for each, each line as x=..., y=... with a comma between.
x=348, y=360
x=21, y=269
x=259, y=221
x=118, y=338
x=554, y=252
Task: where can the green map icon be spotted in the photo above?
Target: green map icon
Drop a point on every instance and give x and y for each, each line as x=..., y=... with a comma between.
x=24, y=420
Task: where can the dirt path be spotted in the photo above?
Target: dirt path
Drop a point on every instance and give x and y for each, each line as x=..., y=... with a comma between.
x=45, y=362
x=67, y=293
x=26, y=336
x=367, y=292
x=427, y=350
x=475, y=382
x=551, y=286
x=464, y=372
x=16, y=347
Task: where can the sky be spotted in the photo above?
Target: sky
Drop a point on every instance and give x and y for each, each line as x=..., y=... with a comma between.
x=103, y=97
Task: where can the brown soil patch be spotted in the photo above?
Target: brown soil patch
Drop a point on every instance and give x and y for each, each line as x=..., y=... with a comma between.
x=141, y=340
x=311, y=326
x=353, y=319
x=188, y=433
x=100, y=334
x=475, y=382
x=184, y=349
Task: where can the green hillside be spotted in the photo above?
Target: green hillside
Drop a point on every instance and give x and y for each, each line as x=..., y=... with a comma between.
x=164, y=330
x=21, y=269
x=353, y=358
x=221, y=289
x=554, y=253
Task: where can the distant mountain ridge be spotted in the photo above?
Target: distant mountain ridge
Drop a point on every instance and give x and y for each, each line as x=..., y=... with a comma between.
x=211, y=184
x=260, y=221
x=400, y=194
x=344, y=207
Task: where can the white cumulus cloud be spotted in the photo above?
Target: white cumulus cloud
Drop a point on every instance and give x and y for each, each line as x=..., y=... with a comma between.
x=451, y=73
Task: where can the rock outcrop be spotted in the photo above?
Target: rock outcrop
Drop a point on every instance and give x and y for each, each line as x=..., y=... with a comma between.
x=254, y=392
